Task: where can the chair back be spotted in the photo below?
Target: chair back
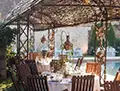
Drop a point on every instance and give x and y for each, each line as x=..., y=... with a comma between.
x=33, y=55
x=32, y=66
x=23, y=70
x=37, y=83
x=83, y=83
x=112, y=86
x=117, y=76
x=42, y=68
x=14, y=80
x=93, y=67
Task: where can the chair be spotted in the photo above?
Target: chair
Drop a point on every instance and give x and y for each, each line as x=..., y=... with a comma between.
x=93, y=67
x=117, y=76
x=13, y=73
x=37, y=83
x=42, y=68
x=23, y=71
x=33, y=55
x=32, y=66
x=82, y=83
x=14, y=79
x=112, y=86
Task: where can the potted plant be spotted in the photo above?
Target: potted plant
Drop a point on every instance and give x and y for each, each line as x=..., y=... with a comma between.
x=7, y=36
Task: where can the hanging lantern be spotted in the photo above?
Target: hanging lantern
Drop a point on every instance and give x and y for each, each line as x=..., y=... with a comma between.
x=43, y=39
x=67, y=44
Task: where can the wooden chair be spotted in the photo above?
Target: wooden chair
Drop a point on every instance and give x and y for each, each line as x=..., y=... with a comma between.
x=117, y=85
x=42, y=68
x=32, y=66
x=93, y=67
x=37, y=83
x=13, y=73
x=112, y=86
x=82, y=83
x=33, y=55
x=117, y=76
x=23, y=71
x=14, y=79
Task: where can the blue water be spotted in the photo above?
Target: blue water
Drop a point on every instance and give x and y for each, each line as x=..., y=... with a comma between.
x=112, y=67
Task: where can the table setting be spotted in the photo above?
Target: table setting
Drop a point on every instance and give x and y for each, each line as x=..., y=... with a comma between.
x=59, y=73
x=57, y=81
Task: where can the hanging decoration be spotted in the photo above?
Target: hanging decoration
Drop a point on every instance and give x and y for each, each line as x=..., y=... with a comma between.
x=43, y=39
x=100, y=38
x=51, y=38
x=67, y=44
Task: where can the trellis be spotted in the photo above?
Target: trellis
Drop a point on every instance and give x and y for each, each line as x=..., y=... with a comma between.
x=39, y=15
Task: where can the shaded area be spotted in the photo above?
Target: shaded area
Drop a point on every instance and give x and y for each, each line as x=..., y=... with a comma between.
x=60, y=13
x=7, y=85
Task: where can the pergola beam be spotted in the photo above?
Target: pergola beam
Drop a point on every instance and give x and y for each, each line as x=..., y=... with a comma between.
x=80, y=5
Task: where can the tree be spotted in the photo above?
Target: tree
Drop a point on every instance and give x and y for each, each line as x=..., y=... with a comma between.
x=93, y=41
x=7, y=36
x=117, y=46
x=111, y=36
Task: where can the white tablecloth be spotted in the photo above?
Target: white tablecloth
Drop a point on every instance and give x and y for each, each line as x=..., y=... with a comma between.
x=66, y=84
x=43, y=65
x=59, y=86
x=42, y=68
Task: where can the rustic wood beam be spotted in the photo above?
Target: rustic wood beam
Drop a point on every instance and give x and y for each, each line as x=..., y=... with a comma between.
x=80, y=5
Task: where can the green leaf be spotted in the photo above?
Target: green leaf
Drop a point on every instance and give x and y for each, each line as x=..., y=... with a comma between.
x=7, y=36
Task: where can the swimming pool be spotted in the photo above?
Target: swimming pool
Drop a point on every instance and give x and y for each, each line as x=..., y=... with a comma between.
x=112, y=67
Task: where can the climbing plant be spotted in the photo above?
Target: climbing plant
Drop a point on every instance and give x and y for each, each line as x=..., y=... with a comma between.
x=110, y=37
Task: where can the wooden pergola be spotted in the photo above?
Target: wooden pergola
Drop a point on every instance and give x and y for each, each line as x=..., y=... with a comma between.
x=39, y=15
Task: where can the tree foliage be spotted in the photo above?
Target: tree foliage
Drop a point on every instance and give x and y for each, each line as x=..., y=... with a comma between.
x=117, y=42
x=7, y=35
x=110, y=37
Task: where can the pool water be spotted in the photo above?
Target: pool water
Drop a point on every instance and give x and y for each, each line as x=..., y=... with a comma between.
x=112, y=67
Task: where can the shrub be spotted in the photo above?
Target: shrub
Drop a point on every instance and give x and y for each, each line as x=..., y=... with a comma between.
x=7, y=35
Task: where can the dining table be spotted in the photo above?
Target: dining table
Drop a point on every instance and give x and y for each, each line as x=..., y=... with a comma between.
x=57, y=82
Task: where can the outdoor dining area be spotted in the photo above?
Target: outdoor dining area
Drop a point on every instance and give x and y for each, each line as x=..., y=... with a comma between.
x=52, y=77
x=50, y=69
x=61, y=75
